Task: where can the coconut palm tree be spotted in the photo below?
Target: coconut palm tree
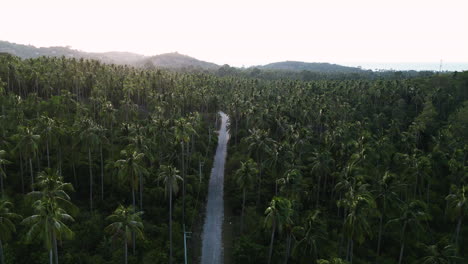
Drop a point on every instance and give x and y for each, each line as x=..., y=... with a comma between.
x=170, y=175
x=125, y=222
x=51, y=186
x=48, y=224
x=458, y=203
x=3, y=162
x=245, y=179
x=278, y=214
x=386, y=195
x=439, y=253
x=28, y=145
x=130, y=167
x=89, y=137
x=359, y=204
x=313, y=231
x=412, y=213
x=7, y=227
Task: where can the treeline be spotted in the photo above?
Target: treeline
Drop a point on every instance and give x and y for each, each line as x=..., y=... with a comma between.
x=357, y=170
x=353, y=171
x=90, y=155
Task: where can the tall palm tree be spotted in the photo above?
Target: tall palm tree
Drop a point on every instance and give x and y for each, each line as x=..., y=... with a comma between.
x=125, y=222
x=278, y=214
x=386, y=195
x=28, y=145
x=48, y=224
x=359, y=204
x=245, y=179
x=412, y=213
x=439, y=253
x=313, y=231
x=3, y=162
x=7, y=227
x=259, y=143
x=321, y=165
x=51, y=186
x=89, y=137
x=130, y=167
x=458, y=203
x=170, y=175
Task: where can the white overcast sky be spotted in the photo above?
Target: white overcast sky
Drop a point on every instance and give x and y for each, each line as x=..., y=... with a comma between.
x=248, y=32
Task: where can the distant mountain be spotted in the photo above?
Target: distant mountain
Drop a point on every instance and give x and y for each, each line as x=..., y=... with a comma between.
x=173, y=61
x=29, y=51
x=309, y=66
x=179, y=61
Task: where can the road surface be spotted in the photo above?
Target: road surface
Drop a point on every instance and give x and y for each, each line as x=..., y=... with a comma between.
x=212, y=248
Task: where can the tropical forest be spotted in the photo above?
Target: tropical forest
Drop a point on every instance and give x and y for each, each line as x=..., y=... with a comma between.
x=109, y=163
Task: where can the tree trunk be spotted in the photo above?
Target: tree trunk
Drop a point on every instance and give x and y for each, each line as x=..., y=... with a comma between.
x=2, y=257
x=21, y=171
x=90, y=180
x=134, y=210
x=288, y=248
x=318, y=192
x=102, y=173
x=460, y=218
x=183, y=183
x=32, y=174
x=55, y=248
x=1, y=180
x=242, y=212
x=271, y=242
x=51, y=258
x=126, y=248
x=379, y=240
x=402, y=243
x=348, y=246
x=48, y=156
x=141, y=191
x=170, y=224
x=351, y=252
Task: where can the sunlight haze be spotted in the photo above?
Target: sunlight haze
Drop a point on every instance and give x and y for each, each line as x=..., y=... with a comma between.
x=248, y=32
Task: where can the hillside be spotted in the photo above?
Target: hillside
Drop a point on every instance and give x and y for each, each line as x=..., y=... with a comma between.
x=308, y=66
x=29, y=51
x=175, y=60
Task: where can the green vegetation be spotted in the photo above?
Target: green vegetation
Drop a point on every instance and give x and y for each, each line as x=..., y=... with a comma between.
x=342, y=169
x=352, y=171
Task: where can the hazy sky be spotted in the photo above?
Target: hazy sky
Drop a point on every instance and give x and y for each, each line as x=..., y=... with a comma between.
x=248, y=32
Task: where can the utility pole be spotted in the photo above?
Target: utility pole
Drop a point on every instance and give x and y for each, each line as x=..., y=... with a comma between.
x=186, y=235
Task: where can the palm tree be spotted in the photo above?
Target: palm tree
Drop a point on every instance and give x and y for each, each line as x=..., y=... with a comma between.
x=439, y=253
x=28, y=146
x=359, y=205
x=7, y=227
x=258, y=144
x=3, y=162
x=278, y=214
x=125, y=222
x=51, y=186
x=313, y=231
x=130, y=167
x=387, y=194
x=458, y=202
x=245, y=179
x=48, y=224
x=412, y=213
x=89, y=137
x=321, y=165
x=170, y=176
